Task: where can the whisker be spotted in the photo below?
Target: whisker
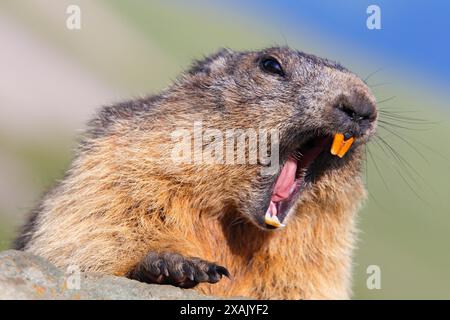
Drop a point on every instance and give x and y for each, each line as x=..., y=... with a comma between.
x=366, y=166
x=397, y=111
x=378, y=170
x=379, y=84
x=237, y=221
x=371, y=196
x=372, y=74
x=400, y=126
x=405, y=180
x=397, y=117
x=386, y=100
x=297, y=155
x=407, y=142
x=430, y=148
x=406, y=166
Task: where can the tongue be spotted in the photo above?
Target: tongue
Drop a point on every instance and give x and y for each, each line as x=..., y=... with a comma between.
x=285, y=182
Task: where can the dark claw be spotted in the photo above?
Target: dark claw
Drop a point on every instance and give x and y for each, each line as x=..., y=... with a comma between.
x=188, y=271
x=223, y=271
x=164, y=269
x=172, y=268
x=201, y=276
x=214, y=276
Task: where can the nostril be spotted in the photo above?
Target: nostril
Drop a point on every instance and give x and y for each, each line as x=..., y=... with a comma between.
x=357, y=114
x=349, y=111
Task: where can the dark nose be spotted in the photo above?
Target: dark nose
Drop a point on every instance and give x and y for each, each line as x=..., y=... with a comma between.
x=355, y=113
x=358, y=112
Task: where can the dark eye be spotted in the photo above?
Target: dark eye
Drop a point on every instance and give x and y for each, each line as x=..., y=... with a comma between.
x=271, y=65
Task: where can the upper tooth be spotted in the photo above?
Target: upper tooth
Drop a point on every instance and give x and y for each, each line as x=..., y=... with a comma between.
x=340, y=146
x=347, y=144
x=337, y=143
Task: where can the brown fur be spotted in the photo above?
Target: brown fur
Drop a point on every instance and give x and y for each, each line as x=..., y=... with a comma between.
x=123, y=197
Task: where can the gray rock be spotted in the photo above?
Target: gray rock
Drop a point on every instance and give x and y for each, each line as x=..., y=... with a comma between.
x=26, y=276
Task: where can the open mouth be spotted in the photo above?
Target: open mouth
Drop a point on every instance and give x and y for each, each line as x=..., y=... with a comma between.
x=297, y=173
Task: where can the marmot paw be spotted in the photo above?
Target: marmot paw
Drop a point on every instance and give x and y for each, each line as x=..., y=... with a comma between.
x=177, y=270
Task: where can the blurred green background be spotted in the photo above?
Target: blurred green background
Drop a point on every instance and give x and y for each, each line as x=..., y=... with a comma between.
x=53, y=79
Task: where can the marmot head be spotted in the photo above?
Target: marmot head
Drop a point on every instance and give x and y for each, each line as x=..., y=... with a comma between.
x=303, y=99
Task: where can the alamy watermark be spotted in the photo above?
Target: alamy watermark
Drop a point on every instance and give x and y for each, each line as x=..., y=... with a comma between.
x=73, y=21
x=374, y=279
x=229, y=147
x=71, y=279
x=373, y=21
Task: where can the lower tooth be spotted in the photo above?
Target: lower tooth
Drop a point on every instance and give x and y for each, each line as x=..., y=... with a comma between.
x=292, y=189
x=272, y=220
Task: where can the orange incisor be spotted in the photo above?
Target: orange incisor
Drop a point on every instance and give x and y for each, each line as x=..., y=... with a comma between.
x=340, y=146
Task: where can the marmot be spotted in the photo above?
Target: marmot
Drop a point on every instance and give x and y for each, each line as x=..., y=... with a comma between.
x=125, y=207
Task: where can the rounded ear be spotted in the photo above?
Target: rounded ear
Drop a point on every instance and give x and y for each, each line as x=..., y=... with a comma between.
x=211, y=62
